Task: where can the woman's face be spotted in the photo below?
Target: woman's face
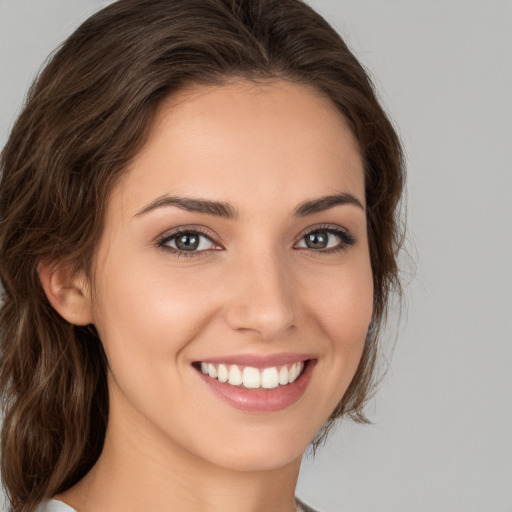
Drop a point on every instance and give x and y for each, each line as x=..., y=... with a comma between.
x=235, y=245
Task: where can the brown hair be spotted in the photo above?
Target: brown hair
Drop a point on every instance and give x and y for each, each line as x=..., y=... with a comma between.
x=85, y=117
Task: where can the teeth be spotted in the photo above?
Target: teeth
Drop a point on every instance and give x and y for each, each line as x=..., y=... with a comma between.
x=283, y=376
x=294, y=372
x=269, y=378
x=254, y=378
x=251, y=378
x=223, y=374
x=235, y=376
x=212, y=371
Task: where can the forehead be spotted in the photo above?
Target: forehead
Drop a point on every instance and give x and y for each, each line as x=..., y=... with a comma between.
x=246, y=143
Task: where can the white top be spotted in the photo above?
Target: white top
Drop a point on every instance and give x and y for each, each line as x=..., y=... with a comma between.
x=54, y=506
x=59, y=506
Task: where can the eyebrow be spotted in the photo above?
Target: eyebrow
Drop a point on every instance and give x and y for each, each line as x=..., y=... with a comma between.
x=216, y=208
x=324, y=203
x=226, y=210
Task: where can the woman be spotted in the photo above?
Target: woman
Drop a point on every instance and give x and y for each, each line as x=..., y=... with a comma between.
x=199, y=238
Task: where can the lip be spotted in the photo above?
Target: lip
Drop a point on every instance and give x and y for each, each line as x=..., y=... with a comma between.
x=260, y=400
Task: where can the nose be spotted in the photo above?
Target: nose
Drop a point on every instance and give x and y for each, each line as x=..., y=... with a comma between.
x=261, y=297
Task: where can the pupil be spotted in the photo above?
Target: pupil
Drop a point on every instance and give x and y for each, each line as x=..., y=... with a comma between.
x=187, y=242
x=316, y=241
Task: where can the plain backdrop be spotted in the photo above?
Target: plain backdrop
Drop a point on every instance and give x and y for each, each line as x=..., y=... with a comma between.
x=442, y=434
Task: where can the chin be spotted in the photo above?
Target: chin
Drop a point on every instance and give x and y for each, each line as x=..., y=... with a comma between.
x=259, y=459
x=262, y=449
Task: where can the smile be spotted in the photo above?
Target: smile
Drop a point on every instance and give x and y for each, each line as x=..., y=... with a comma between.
x=255, y=384
x=254, y=378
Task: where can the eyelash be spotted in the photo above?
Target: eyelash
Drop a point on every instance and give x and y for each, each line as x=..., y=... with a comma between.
x=347, y=240
x=166, y=238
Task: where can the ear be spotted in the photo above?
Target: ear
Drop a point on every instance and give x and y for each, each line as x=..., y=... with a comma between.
x=67, y=292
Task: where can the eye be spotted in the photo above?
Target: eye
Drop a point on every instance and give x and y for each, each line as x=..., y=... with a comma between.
x=326, y=239
x=187, y=242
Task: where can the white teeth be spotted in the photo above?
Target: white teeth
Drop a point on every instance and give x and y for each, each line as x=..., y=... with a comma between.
x=212, y=371
x=254, y=378
x=251, y=377
x=294, y=372
x=222, y=373
x=298, y=370
x=235, y=376
x=283, y=376
x=270, y=378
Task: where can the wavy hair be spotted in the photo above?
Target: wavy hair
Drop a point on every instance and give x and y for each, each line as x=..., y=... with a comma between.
x=85, y=117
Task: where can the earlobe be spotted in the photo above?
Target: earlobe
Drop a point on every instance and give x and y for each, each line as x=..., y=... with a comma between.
x=67, y=292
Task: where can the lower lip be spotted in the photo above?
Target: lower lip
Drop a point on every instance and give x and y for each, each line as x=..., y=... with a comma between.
x=261, y=400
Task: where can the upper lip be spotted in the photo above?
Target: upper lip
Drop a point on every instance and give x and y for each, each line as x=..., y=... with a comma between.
x=259, y=361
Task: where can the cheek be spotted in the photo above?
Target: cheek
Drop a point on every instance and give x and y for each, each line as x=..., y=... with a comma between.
x=351, y=310
x=344, y=303
x=344, y=312
x=146, y=314
x=146, y=321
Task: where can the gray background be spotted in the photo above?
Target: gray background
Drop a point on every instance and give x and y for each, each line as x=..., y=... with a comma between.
x=442, y=434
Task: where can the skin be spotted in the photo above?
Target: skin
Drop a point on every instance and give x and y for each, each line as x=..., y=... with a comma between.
x=171, y=444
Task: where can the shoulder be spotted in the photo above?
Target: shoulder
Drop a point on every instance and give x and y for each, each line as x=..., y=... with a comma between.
x=54, y=506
